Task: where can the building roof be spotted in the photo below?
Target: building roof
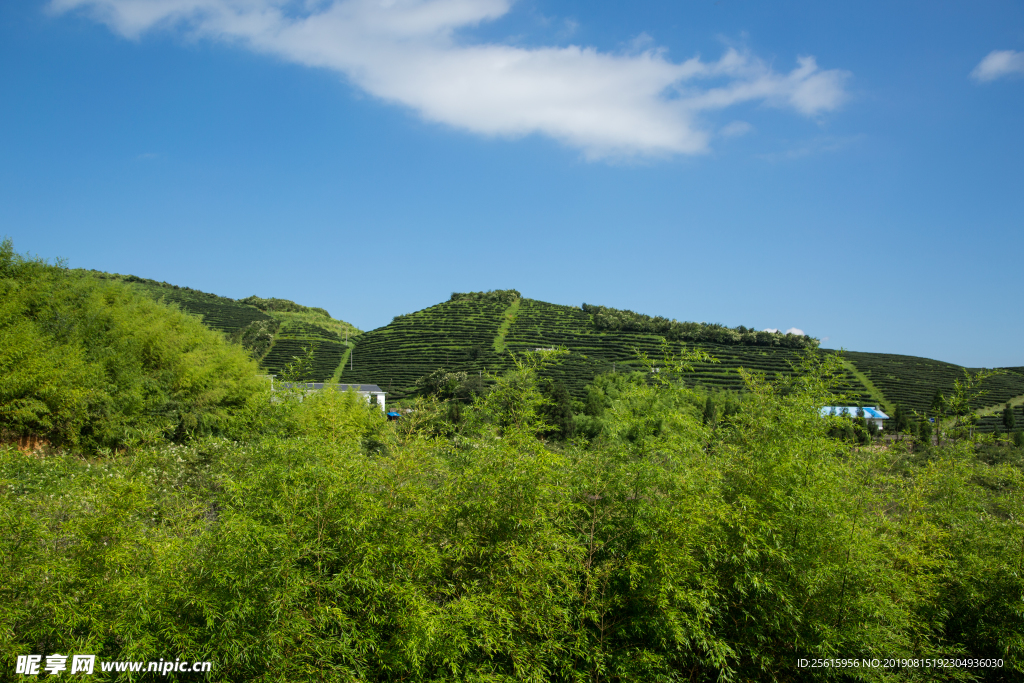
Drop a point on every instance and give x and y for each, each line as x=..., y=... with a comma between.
x=869, y=411
x=368, y=388
x=373, y=388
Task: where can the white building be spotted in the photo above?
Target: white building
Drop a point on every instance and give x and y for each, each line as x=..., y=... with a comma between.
x=371, y=392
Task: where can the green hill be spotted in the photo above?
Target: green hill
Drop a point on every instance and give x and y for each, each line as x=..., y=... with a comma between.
x=94, y=365
x=913, y=382
x=476, y=332
x=274, y=330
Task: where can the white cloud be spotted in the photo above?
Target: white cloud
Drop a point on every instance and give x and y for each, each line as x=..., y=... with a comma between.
x=637, y=103
x=795, y=330
x=771, y=329
x=997, y=64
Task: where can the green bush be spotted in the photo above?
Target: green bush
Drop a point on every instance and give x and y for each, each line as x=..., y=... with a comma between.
x=89, y=363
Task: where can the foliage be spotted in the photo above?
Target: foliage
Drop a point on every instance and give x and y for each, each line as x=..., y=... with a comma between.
x=610, y=319
x=282, y=305
x=301, y=368
x=91, y=364
x=273, y=330
x=967, y=392
x=465, y=335
x=1009, y=421
x=458, y=386
x=502, y=296
x=917, y=383
x=329, y=544
x=257, y=337
x=679, y=534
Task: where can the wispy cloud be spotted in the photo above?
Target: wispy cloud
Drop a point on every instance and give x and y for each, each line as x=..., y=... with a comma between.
x=629, y=104
x=998, y=64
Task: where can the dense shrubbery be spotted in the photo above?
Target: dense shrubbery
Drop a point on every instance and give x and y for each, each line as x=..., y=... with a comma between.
x=680, y=542
x=92, y=364
x=611, y=319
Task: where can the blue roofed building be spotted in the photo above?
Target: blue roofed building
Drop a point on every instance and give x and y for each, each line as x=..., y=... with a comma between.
x=871, y=413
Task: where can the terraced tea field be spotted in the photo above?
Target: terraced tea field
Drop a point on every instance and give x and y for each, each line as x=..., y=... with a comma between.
x=462, y=335
x=912, y=382
x=293, y=337
x=297, y=329
x=456, y=335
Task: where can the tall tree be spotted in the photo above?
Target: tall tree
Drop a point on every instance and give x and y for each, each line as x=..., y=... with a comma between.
x=1008, y=419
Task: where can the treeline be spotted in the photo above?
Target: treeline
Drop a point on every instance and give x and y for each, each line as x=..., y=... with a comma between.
x=282, y=305
x=613, y=319
x=135, y=279
x=89, y=364
x=503, y=296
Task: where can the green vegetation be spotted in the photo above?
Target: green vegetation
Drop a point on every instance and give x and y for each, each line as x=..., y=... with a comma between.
x=570, y=511
x=685, y=540
x=476, y=332
x=274, y=331
x=479, y=333
x=914, y=383
x=282, y=306
x=457, y=335
x=500, y=296
x=218, y=312
x=91, y=364
x=612, y=319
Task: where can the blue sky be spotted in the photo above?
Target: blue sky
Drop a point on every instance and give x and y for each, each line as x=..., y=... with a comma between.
x=851, y=171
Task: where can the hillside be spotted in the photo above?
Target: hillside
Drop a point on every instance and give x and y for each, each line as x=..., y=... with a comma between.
x=475, y=333
x=93, y=365
x=274, y=330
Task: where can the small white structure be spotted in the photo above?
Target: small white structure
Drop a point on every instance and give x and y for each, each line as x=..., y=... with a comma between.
x=871, y=413
x=371, y=392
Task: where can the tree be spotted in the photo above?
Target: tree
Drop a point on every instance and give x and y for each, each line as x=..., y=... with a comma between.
x=967, y=392
x=302, y=368
x=710, y=413
x=558, y=411
x=900, y=420
x=1008, y=419
x=925, y=432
